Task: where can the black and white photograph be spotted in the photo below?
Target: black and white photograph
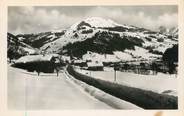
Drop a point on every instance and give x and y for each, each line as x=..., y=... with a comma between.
x=92, y=57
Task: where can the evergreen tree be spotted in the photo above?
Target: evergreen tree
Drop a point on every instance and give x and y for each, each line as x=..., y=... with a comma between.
x=170, y=56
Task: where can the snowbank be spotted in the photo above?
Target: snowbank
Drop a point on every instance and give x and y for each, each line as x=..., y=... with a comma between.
x=143, y=98
x=102, y=96
x=160, y=83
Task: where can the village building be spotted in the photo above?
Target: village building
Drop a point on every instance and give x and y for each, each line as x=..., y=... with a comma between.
x=95, y=65
x=80, y=63
x=40, y=63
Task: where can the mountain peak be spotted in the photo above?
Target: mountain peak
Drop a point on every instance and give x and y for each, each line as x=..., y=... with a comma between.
x=100, y=22
x=95, y=22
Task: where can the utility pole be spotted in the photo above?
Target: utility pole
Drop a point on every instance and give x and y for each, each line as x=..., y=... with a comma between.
x=115, y=68
x=90, y=73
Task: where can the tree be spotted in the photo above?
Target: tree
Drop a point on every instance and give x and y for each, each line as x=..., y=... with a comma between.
x=154, y=68
x=170, y=56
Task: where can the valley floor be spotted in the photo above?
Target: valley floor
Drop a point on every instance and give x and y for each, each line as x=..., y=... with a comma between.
x=27, y=91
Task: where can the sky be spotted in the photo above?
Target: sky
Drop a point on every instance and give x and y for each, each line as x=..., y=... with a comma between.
x=35, y=19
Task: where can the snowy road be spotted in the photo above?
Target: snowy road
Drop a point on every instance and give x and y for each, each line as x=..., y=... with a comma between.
x=27, y=91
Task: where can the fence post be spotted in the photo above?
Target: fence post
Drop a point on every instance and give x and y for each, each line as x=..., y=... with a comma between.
x=114, y=75
x=115, y=68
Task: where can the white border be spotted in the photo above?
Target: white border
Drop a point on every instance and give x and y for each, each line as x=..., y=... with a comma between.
x=3, y=60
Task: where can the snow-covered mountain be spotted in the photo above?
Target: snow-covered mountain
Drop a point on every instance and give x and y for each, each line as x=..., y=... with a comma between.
x=173, y=31
x=95, y=22
x=169, y=31
x=98, y=35
x=17, y=48
x=39, y=39
x=103, y=36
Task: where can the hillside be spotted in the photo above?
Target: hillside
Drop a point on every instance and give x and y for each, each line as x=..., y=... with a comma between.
x=39, y=39
x=103, y=36
x=17, y=48
x=106, y=37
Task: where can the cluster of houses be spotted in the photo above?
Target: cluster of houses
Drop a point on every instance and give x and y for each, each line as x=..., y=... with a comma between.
x=89, y=65
x=48, y=63
x=139, y=67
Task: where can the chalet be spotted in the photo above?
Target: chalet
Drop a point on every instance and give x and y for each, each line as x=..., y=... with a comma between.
x=160, y=66
x=95, y=65
x=40, y=63
x=66, y=59
x=140, y=67
x=80, y=63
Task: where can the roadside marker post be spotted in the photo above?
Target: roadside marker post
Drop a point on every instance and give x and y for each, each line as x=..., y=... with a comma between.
x=115, y=77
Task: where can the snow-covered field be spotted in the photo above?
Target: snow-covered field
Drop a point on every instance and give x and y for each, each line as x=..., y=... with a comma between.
x=118, y=56
x=28, y=91
x=157, y=83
